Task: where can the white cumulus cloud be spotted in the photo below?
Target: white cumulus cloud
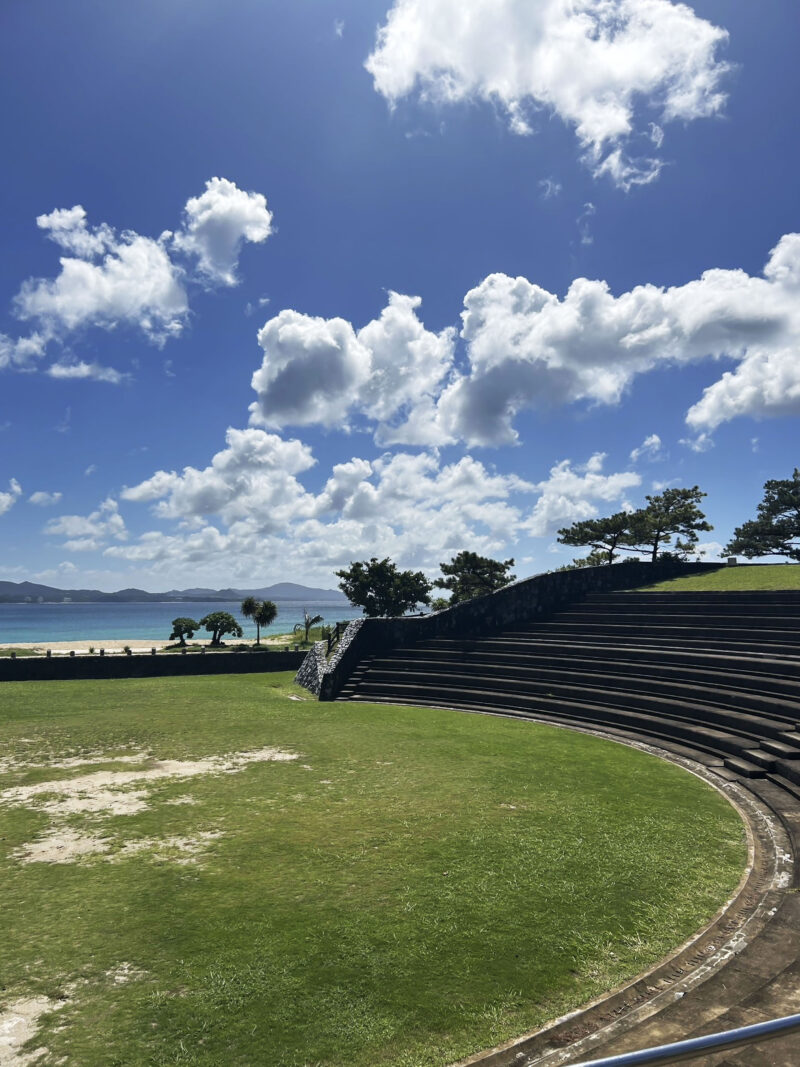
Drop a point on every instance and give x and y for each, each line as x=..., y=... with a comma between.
x=69, y=229
x=88, y=533
x=21, y=351
x=322, y=371
x=43, y=499
x=602, y=66
x=217, y=223
x=254, y=477
x=650, y=448
x=528, y=348
x=570, y=494
x=109, y=279
x=135, y=284
x=9, y=499
x=83, y=371
x=251, y=504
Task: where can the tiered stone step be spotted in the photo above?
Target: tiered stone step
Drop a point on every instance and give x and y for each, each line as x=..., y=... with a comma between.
x=715, y=678
x=716, y=675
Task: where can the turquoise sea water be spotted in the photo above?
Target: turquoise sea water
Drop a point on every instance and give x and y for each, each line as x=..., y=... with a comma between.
x=143, y=622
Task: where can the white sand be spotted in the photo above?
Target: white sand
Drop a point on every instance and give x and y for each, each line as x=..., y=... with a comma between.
x=118, y=645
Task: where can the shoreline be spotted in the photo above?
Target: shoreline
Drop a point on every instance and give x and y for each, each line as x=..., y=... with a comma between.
x=82, y=645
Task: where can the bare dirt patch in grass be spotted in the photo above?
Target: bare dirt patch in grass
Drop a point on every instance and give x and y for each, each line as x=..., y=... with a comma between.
x=111, y=792
x=61, y=846
x=19, y=1022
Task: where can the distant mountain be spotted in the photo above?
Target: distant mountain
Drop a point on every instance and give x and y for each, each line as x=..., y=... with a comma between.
x=292, y=591
x=21, y=592
x=30, y=592
x=279, y=591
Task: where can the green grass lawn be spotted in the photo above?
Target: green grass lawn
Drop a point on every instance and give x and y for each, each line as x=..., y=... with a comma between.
x=763, y=576
x=416, y=885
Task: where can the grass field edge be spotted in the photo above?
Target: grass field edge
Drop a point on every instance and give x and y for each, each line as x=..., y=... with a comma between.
x=621, y=1008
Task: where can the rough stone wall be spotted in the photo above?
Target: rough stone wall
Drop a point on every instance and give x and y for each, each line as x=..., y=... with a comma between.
x=346, y=640
x=138, y=665
x=314, y=667
x=519, y=604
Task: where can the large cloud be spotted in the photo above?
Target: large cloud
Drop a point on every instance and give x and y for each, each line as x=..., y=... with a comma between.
x=252, y=478
x=248, y=508
x=528, y=348
x=594, y=63
x=134, y=283
x=109, y=280
x=322, y=371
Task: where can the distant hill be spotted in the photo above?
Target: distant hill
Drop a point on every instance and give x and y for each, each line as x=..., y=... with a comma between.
x=279, y=591
x=30, y=592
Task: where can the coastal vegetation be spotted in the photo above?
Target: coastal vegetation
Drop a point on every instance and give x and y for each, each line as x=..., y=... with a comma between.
x=468, y=575
x=673, y=513
x=219, y=624
x=183, y=628
x=776, y=529
x=308, y=621
x=293, y=882
x=380, y=589
x=262, y=612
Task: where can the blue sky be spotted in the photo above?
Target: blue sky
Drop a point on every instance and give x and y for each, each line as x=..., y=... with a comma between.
x=289, y=285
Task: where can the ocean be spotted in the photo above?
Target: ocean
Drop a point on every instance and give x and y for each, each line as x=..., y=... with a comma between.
x=145, y=622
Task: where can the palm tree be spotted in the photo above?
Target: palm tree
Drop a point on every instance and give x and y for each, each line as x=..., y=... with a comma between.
x=267, y=612
x=249, y=607
x=307, y=623
x=262, y=612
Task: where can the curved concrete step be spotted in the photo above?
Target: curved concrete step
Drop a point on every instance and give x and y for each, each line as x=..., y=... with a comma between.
x=705, y=694
x=722, y=690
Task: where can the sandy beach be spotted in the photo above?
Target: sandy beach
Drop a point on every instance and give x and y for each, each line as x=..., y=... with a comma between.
x=78, y=647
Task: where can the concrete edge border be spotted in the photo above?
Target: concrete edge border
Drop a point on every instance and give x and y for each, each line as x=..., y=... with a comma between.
x=735, y=925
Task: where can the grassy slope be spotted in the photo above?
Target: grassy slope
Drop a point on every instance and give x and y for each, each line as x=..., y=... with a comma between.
x=434, y=883
x=764, y=576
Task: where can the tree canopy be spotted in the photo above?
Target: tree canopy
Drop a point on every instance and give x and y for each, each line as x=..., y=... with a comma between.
x=381, y=589
x=776, y=529
x=468, y=575
x=673, y=513
x=219, y=623
x=183, y=628
x=604, y=536
x=262, y=612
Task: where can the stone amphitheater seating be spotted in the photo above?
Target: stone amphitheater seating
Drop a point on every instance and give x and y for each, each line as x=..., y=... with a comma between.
x=714, y=678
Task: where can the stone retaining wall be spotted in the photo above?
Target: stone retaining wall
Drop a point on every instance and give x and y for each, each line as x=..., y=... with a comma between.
x=519, y=604
x=138, y=665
